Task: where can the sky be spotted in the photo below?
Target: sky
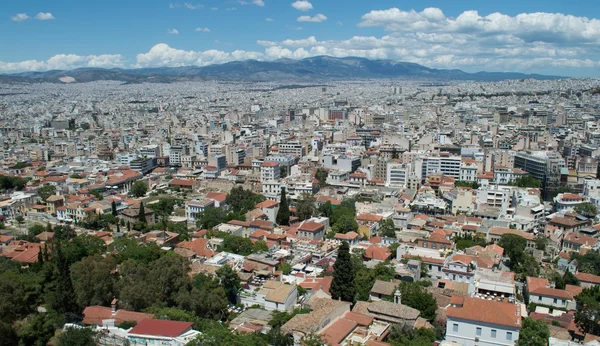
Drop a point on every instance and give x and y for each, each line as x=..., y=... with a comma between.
x=557, y=37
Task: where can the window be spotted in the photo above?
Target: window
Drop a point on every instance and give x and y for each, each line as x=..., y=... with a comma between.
x=555, y=300
x=455, y=327
x=494, y=333
x=509, y=336
x=478, y=331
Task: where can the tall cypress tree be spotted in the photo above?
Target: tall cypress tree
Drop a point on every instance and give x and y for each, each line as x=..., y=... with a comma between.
x=142, y=214
x=283, y=215
x=65, y=295
x=113, y=207
x=342, y=286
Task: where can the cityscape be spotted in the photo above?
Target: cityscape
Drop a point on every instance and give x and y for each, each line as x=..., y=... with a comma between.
x=324, y=198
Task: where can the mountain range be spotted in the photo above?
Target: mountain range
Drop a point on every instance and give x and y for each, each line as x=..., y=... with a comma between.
x=314, y=69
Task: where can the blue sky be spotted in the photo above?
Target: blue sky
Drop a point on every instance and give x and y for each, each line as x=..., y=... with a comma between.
x=552, y=36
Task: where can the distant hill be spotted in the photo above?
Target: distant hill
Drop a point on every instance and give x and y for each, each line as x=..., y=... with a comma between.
x=320, y=68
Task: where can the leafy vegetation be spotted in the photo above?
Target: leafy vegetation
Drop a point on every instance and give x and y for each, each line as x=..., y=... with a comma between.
x=586, y=209
x=415, y=296
x=139, y=188
x=527, y=182
x=533, y=333
x=588, y=310
x=283, y=214
x=12, y=183
x=342, y=275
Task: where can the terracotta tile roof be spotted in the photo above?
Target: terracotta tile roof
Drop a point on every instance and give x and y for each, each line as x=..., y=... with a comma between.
x=487, y=311
x=198, y=246
x=338, y=331
x=217, y=196
x=161, y=328
x=580, y=239
x=585, y=277
x=503, y=230
x=574, y=290
x=369, y=217
x=347, y=236
x=269, y=164
x=551, y=292
x=383, y=287
x=267, y=204
x=314, y=284
x=95, y=315
x=360, y=319
x=310, y=226
x=280, y=294
x=381, y=253
x=182, y=182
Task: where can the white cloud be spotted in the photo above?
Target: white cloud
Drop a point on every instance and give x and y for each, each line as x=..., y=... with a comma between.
x=302, y=5
x=44, y=16
x=231, y=9
x=19, y=17
x=316, y=19
x=173, y=32
x=269, y=19
x=192, y=6
x=260, y=3
x=215, y=9
x=203, y=29
x=65, y=62
x=339, y=23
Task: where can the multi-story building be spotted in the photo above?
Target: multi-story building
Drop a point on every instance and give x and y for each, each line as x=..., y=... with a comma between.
x=294, y=148
x=543, y=166
x=150, y=151
x=397, y=174
x=341, y=162
x=269, y=171
x=473, y=321
x=449, y=165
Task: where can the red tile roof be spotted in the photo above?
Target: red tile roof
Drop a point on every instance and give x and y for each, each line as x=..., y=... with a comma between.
x=338, y=331
x=161, y=328
x=217, y=196
x=310, y=226
x=182, y=182
x=267, y=204
x=381, y=253
x=96, y=314
x=585, y=277
x=487, y=311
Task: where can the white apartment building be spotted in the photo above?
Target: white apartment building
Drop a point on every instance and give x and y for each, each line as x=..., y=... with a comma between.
x=468, y=172
x=591, y=190
x=269, y=171
x=480, y=322
x=150, y=151
x=449, y=165
x=292, y=148
x=397, y=174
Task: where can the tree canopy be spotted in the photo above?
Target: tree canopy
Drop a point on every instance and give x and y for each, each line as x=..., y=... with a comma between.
x=533, y=333
x=139, y=188
x=46, y=191
x=527, y=182
x=415, y=296
x=283, y=214
x=343, y=274
x=305, y=207
x=588, y=310
x=586, y=209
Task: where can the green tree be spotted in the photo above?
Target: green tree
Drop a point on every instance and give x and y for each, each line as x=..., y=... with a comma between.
x=211, y=217
x=527, y=182
x=387, y=229
x=570, y=279
x=230, y=281
x=586, y=209
x=416, y=297
x=345, y=224
x=130, y=249
x=9, y=335
x=541, y=242
x=412, y=337
x=237, y=245
x=533, y=333
x=326, y=209
x=39, y=328
x=286, y=268
x=472, y=184
x=321, y=176
x=113, y=209
x=343, y=273
x=241, y=201
x=588, y=263
x=46, y=191
x=260, y=246
x=64, y=297
x=283, y=214
x=305, y=207
x=139, y=188
x=94, y=280
x=588, y=310
x=77, y=337
x=514, y=247
x=142, y=213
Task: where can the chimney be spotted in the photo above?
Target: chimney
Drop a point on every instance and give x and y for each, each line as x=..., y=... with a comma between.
x=397, y=297
x=114, y=305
